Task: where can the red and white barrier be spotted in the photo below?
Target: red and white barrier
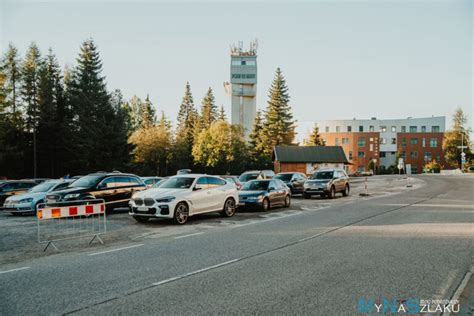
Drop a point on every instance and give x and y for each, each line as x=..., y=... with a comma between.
x=70, y=211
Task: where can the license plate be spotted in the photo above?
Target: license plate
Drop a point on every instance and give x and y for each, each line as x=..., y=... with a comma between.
x=142, y=209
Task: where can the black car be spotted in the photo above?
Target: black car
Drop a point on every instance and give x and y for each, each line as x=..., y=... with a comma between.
x=294, y=180
x=14, y=187
x=264, y=194
x=115, y=188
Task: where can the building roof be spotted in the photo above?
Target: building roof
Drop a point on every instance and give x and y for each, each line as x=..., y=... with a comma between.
x=313, y=154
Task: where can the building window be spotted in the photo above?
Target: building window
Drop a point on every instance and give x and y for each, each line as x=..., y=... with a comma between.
x=438, y=158
x=361, y=128
x=394, y=129
x=403, y=155
x=404, y=142
x=325, y=141
x=394, y=141
x=338, y=129
x=404, y=129
x=361, y=142
x=435, y=129
x=423, y=129
x=428, y=156
x=250, y=63
x=414, y=169
x=414, y=141
x=383, y=129
x=349, y=128
x=382, y=154
x=361, y=154
x=360, y=168
x=327, y=129
x=371, y=147
x=336, y=141
x=383, y=141
x=236, y=62
x=414, y=154
x=423, y=142
x=371, y=128
x=345, y=140
x=413, y=129
x=433, y=142
x=350, y=155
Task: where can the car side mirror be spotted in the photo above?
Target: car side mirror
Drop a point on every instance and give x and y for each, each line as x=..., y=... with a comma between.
x=271, y=189
x=197, y=188
x=101, y=186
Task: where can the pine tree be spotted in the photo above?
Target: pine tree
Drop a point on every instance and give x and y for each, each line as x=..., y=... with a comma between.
x=222, y=116
x=29, y=92
x=279, y=126
x=10, y=66
x=185, y=130
x=315, y=138
x=96, y=141
x=50, y=116
x=208, y=109
x=148, y=113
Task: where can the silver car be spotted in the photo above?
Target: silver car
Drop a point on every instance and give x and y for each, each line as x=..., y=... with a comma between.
x=27, y=202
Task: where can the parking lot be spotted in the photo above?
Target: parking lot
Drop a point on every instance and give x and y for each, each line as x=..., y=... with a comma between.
x=18, y=234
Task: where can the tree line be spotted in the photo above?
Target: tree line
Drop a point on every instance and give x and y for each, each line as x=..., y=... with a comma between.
x=56, y=121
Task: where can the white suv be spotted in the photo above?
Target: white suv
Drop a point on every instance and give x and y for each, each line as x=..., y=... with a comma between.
x=185, y=195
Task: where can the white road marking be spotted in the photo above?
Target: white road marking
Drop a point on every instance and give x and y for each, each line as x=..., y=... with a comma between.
x=113, y=250
x=13, y=270
x=195, y=272
x=189, y=235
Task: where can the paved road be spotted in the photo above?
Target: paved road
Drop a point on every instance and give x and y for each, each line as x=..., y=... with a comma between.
x=321, y=261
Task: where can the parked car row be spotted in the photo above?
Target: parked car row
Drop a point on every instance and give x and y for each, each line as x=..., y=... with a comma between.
x=177, y=197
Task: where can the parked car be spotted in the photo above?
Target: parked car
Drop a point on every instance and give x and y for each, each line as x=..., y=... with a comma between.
x=115, y=188
x=151, y=181
x=233, y=179
x=265, y=194
x=14, y=187
x=183, y=171
x=182, y=196
x=28, y=202
x=327, y=182
x=37, y=180
x=294, y=180
x=256, y=174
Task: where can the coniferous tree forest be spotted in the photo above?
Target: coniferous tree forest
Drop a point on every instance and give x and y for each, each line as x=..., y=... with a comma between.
x=56, y=121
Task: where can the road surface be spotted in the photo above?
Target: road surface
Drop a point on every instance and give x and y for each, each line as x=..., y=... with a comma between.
x=322, y=261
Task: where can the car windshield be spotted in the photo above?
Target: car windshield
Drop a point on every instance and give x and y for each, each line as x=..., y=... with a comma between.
x=86, y=182
x=248, y=176
x=176, y=183
x=285, y=177
x=256, y=186
x=43, y=187
x=323, y=175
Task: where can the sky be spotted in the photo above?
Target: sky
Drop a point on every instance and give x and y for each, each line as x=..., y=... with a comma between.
x=341, y=59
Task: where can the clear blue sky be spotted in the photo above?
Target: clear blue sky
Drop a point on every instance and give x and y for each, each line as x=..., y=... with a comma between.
x=389, y=59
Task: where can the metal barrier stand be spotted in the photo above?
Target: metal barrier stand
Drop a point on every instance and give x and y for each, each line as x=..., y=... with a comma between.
x=71, y=220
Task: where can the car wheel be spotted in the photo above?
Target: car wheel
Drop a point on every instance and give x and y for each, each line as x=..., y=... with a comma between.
x=141, y=219
x=181, y=213
x=306, y=195
x=287, y=201
x=332, y=193
x=229, y=208
x=346, y=190
x=265, y=205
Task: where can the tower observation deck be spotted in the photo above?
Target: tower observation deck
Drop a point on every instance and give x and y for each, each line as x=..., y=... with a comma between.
x=243, y=85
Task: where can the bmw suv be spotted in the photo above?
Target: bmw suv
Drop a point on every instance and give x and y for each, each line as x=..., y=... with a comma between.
x=327, y=182
x=114, y=188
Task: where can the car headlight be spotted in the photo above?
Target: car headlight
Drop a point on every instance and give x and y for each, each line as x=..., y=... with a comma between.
x=72, y=196
x=29, y=200
x=166, y=199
